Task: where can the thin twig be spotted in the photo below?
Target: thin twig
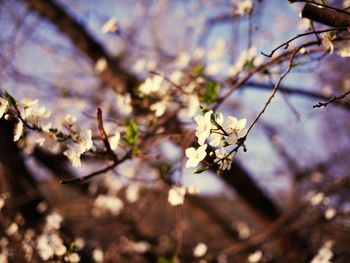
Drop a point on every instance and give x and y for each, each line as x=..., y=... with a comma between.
x=273, y=92
x=103, y=134
x=334, y=98
x=286, y=44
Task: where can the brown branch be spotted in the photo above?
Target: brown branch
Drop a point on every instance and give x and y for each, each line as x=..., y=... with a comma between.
x=327, y=16
x=103, y=134
x=334, y=98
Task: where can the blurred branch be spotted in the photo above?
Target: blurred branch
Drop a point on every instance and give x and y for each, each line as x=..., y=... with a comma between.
x=114, y=75
x=298, y=92
x=327, y=16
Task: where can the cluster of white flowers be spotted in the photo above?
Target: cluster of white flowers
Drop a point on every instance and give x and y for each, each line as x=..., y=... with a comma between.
x=49, y=244
x=221, y=134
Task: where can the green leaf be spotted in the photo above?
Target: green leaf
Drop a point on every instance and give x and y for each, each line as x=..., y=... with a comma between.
x=203, y=109
x=167, y=260
x=198, y=70
x=211, y=93
x=132, y=133
x=11, y=100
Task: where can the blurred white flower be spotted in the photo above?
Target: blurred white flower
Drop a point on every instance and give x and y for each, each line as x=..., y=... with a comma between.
x=160, y=107
x=176, y=195
x=73, y=258
x=255, y=257
x=53, y=221
x=124, y=104
x=151, y=84
x=110, y=26
x=12, y=229
x=97, y=255
x=343, y=52
x=195, y=156
x=325, y=253
x=4, y=106
x=330, y=213
x=111, y=204
x=132, y=193
x=114, y=140
x=243, y=7
x=182, y=60
x=200, y=250
x=317, y=198
x=101, y=65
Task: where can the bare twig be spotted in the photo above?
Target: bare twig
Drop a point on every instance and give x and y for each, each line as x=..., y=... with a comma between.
x=334, y=98
x=273, y=92
x=103, y=134
x=286, y=44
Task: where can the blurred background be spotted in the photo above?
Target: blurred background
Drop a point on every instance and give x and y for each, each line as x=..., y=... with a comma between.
x=284, y=200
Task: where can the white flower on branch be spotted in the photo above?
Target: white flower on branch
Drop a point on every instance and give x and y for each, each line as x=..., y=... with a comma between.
x=78, y=147
x=124, y=104
x=160, y=107
x=195, y=156
x=235, y=129
x=204, y=126
x=223, y=159
x=255, y=257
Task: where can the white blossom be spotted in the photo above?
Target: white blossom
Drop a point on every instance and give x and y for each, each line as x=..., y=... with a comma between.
x=151, y=84
x=97, y=255
x=12, y=229
x=4, y=106
x=204, y=126
x=124, y=104
x=132, y=193
x=78, y=147
x=182, y=60
x=53, y=221
x=73, y=258
x=110, y=26
x=19, y=130
x=325, y=253
x=200, y=250
x=114, y=140
x=193, y=105
x=330, y=213
x=101, y=65
x=111, y=204
x=244, y=6
x=255, y=257
x=223, y=159
x=317, y=198
x=343, y=52
x=176, y=195
x=160, y=107
x=195, y=156
x=235, y=129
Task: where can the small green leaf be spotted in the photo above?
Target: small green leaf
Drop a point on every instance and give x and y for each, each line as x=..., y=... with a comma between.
x=203, y=109
x=132, y=133
x=11, y=100
x=294, y=65
x=211, y=93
